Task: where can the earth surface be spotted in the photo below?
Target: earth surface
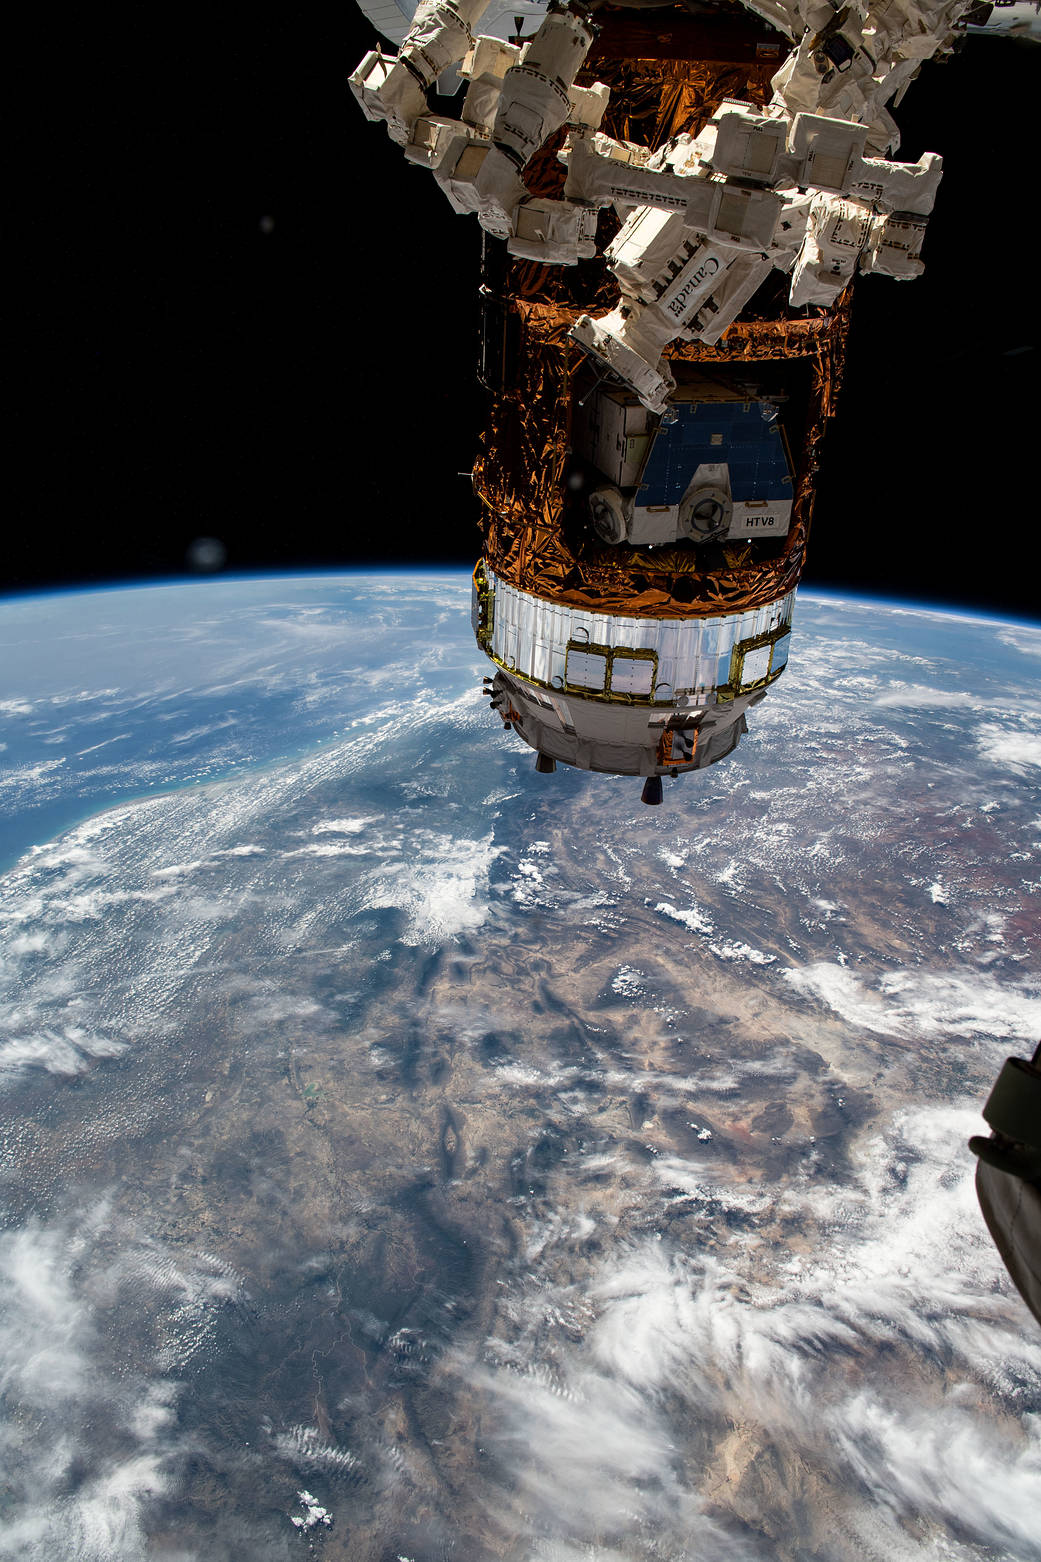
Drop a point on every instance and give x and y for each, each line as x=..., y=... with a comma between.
x=481, y=1161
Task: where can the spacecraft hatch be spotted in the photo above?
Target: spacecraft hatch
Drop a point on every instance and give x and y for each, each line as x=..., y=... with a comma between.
x=675, y=199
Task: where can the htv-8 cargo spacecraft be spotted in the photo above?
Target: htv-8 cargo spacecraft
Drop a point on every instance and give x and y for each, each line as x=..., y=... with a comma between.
x=674, y=200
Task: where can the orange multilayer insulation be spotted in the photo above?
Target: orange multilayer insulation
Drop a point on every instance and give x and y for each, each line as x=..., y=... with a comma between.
x=520, y=474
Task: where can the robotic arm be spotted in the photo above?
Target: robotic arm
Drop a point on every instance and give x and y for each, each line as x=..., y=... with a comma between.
x=708, y=219
x=797, y=187
x=516, y=99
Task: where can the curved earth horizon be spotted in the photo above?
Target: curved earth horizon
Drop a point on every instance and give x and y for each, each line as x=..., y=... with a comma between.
x=407, y=1155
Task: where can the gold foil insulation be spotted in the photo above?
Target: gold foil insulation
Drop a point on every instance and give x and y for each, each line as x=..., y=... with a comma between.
x=654, y=98
x=520, y=477
x=666, y=78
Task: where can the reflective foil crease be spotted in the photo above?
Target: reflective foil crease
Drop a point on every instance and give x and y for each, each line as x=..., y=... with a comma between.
x=519, y=477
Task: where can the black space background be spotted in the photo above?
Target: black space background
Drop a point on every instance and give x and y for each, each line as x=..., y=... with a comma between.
x=307, y=394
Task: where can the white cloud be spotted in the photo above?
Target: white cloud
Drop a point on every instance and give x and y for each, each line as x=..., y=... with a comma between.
x=588, y=1459
x=866, y=1376
x=339, y=849
x=120, y=737
x=1021, y=638
x=90, y=1438
x=919, y=697
x=66, y=1051
x=922, y=1003
x=441, y=886
x=350, y=826
x=690, y=916
x=733, y=949
x=941, y=1465
x=1017, y=751
x=36, y=943
x=29, y=776
x=268, y=1008
x=628, y=982
x=305, y=1447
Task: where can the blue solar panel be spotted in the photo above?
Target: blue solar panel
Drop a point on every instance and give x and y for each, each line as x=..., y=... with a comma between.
x=751, y=447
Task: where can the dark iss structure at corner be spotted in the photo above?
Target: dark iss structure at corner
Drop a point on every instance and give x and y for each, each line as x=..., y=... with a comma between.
x=675, y=199
x=1008, y=1177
